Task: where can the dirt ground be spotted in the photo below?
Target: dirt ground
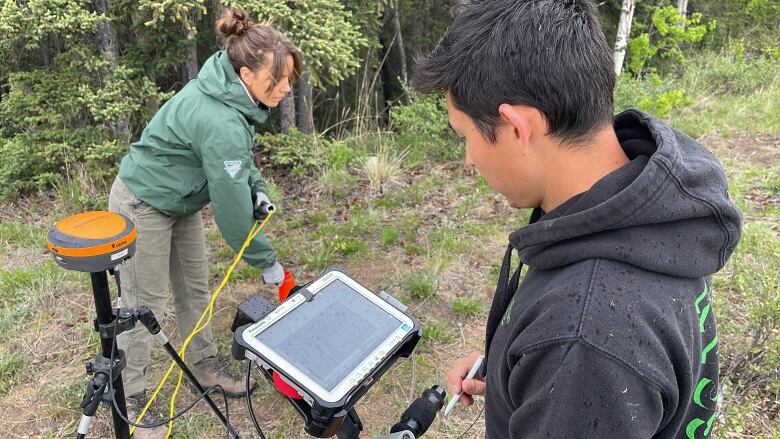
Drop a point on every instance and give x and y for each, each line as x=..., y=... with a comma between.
x=56, y=339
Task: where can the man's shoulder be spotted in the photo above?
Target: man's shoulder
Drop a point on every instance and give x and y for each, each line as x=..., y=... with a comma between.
x=640, y=318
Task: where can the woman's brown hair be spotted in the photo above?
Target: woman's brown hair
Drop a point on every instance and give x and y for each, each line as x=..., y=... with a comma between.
x=248, y=43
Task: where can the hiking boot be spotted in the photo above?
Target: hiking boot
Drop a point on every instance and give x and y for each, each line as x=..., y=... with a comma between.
x=211, y=372
x=136, y=403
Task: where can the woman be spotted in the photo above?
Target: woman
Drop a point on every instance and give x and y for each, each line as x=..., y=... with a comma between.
x=196, y=149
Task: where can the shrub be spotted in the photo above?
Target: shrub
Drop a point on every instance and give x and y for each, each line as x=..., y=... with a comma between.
x=295, y=150
x=423, y=129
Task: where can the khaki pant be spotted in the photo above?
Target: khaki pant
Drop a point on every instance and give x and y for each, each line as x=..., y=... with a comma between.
x=168, y=249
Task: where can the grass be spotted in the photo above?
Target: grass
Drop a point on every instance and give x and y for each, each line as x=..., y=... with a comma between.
x=420, y=285
x=388, y=237
x=337, y=182
x=383, y=168
x=22, y=235
x=317, y=258
x=719, y=95
x=13, y=369
x=466, y=307
x=436, y=333
x=22, y=290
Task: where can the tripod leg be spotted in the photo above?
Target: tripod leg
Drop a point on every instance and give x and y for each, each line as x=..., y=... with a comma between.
x=105, y=315
x=351, y=426
x=89, y=404
x=146, y=317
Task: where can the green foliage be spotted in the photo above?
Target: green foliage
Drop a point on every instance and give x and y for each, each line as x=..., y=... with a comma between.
x=28, y=25
x=294, y=150
x=55, y=118
x=448, y=240
x=435, y=332
x=345, y=246
x=321, y=29
x=13, y=367
x=422, y=127
x=421, y=285
x=716, y=92
x=363, y=222
x=22, y=235
x=183, y=12
x=729, y=74
x=342, y=154
x=663, y=103
x=748, y=303
x=317, y=258
x=414, y=249
x=466, y=307
x=753, y=24
x=671, y=33
x=337, y=182
x=22, y=290
x=388, y=237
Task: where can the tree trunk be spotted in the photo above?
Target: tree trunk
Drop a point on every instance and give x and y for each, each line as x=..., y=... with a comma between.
x=45, y=51
x=287, y=111
x=190, y=62
x=107, y=44
x=682, y=5
x=399, y=39
x=624, y=30
x=304, y=104
x=190, y=70
x=385, y=77
x=106, y=35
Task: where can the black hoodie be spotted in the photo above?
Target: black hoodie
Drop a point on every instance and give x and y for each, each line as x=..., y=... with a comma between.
x=610, y=334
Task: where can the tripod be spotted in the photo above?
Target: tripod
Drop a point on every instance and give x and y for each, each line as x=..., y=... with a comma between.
x=103, y=367
x=96, y=242
x=110, y=325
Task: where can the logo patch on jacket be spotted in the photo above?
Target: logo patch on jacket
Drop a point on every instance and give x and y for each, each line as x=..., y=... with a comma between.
x=232, y=167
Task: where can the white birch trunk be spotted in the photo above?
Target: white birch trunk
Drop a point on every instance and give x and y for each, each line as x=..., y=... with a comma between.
x=624, y=30
x=682, y=5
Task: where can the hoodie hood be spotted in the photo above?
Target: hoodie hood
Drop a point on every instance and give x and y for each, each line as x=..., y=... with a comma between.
x=667, y=211
x=218, y=80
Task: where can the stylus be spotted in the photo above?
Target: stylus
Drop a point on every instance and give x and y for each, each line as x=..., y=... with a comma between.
x=470, y=375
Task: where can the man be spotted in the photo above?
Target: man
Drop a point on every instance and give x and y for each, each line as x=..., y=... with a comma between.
x=610, y=333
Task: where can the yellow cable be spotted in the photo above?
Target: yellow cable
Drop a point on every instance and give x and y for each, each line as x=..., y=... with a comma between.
x=256, y=228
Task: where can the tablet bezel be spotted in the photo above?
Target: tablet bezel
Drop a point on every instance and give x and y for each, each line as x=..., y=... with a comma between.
x=363, y=370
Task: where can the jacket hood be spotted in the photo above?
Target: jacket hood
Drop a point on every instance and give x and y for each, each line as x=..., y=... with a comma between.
x=218, y=80
x=667, y=211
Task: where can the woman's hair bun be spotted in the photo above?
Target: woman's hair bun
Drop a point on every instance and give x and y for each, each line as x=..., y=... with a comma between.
x=233, y=22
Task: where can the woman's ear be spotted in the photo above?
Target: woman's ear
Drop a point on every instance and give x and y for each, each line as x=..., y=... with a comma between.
x=246, y=75
x=519, y=123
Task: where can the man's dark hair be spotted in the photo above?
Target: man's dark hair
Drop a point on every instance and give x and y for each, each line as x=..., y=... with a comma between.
x=548, y=54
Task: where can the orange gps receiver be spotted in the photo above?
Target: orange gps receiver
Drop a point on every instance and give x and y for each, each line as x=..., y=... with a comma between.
x=92, y=241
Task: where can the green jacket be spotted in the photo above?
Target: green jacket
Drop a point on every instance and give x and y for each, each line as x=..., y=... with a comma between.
x=198, y=148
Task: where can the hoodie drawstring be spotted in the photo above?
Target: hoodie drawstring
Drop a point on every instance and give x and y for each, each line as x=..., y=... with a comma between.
x=505, y=291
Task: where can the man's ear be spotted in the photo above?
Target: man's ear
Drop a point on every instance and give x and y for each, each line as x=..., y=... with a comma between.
x=520, y=125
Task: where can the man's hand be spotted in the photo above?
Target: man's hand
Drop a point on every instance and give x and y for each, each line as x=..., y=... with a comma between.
x=455, y=382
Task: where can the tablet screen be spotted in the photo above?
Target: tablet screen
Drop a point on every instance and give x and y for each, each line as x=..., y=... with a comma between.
x=328, y=337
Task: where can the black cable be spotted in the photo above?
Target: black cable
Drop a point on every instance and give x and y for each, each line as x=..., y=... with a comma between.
x=176, y=416
x=249, y=400
x=475, y=421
